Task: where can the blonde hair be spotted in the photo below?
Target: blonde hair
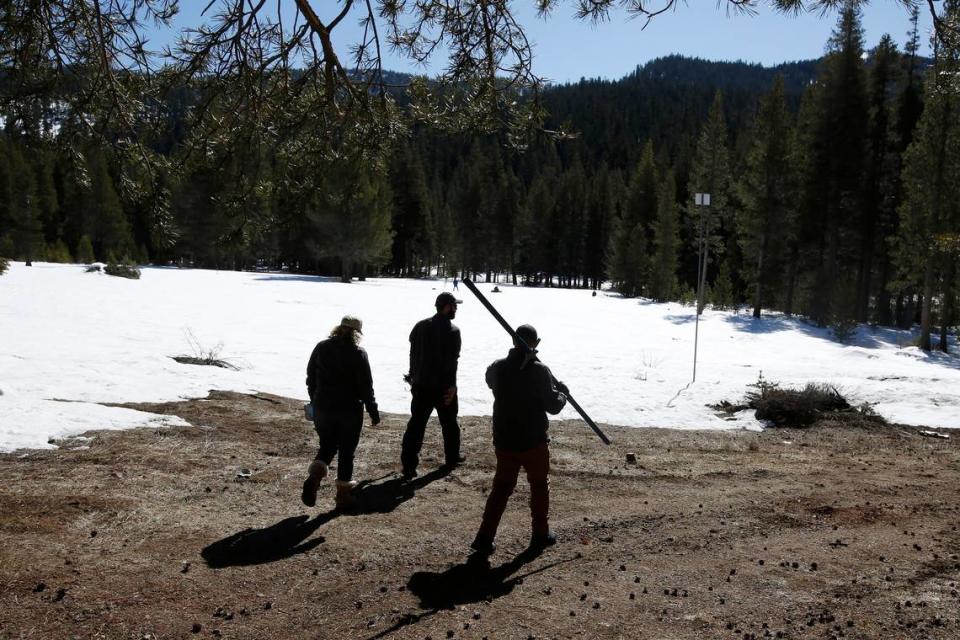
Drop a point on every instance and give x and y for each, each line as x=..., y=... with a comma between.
x=347, y=333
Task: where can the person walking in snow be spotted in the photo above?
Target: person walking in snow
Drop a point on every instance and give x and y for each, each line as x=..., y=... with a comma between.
x=340, y=387
x=523, y=394
x=434, y=353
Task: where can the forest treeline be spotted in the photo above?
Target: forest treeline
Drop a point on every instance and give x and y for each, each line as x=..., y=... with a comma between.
x=834, y=192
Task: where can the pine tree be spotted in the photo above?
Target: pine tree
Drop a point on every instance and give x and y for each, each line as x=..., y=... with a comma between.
x=414, y=241
x=710, y=174
x=111, y=231
x=767, y=194
x=48, y=204
x=85, y=250
x=6, y=189
x=27, y=227
x=835, y=160
x=350, y=218
x=722, y=290
x=666, y=242
x=909, y=105
x=930, y=214
x=879, y=200
x=628, y=256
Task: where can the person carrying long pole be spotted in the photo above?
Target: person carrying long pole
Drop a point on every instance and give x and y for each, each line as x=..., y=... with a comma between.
x=531, y=353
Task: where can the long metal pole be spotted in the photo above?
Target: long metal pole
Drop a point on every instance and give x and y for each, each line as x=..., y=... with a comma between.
x=518, y=340
x=696, y=322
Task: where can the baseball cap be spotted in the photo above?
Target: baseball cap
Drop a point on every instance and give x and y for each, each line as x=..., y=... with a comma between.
x=352, y=322
x=447, y=298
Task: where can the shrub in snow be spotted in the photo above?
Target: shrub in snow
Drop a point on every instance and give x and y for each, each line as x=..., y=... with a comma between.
x=85, y=250
x=3, y=265
x=92, y=268
x=843, y=328
x=204, y=356
x=58, y=252
x=122, y=271
x=795, y=407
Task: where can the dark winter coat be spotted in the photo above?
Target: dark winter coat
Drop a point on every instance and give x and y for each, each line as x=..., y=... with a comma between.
x=522, y=398
x=338, y=377
x=434, y=353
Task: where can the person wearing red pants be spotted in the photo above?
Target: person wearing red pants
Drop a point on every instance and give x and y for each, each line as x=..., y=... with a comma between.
x=523, y=394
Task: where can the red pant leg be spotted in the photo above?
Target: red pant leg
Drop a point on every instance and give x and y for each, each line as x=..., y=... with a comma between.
x=504, y=482
x=536, y=462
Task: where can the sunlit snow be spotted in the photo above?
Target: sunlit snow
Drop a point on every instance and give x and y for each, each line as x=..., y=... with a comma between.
x=71, y=340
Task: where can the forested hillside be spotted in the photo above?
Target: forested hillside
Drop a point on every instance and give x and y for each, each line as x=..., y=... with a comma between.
x=833, y=191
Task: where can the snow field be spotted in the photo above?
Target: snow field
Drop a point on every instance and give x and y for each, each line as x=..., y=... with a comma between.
x=88, y=338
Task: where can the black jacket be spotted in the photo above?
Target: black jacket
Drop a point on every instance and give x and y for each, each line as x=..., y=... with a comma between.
x=338, y=377
x=522, y=397
x=434, y=352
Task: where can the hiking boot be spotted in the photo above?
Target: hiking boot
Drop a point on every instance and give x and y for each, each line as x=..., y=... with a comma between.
x=409, y=474
x=543, y=540
x=345, y=498
x=451, y=464
x=483, y=545
x=317, y=472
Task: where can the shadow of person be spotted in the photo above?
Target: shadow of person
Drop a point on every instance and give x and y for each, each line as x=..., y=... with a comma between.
x=473, y=580
x=258, y=546
x=470, y=581
x=384, y=497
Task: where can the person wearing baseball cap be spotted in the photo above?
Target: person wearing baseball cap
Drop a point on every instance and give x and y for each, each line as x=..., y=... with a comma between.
x=340, y=386
x=434, y=353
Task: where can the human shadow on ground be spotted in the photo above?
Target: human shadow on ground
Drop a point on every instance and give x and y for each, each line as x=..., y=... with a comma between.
x=470, y=581
x=383, y=497
x=289, y=536
x=258, y=546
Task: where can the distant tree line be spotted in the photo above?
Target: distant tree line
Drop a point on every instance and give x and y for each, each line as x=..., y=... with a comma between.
x=834, y=191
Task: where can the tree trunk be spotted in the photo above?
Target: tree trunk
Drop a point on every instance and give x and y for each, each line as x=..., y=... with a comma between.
x=758, y=293
x=925, y=310
x=946, y=314
x=883, y=298
x=791, y=280
x=702, y=280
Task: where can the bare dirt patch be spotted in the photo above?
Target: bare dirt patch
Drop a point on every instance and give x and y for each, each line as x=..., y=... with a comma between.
x=829, y=531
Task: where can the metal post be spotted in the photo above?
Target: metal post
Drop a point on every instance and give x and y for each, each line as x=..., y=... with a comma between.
x=700, y=200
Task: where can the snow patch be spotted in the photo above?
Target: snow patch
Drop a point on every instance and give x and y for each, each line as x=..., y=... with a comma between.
x=110, y=340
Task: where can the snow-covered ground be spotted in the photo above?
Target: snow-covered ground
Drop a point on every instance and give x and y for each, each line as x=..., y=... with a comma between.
x=70, y=340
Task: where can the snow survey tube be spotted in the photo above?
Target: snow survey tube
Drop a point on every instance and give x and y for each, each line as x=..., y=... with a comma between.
x=519, y=341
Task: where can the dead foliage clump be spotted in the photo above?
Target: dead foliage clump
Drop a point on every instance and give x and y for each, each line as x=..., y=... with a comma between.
x=799, y=408
x=122, y=271
x=206, y=361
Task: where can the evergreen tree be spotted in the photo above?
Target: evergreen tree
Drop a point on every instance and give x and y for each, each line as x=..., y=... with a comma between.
x=930, y=214
x=109, y=226
x=350, y=218
x=879, y=204
x=85, y=250
x=628, y=257
x=666, y=242
x=48, y=204
x=909, y=106
x=414, y=241
x=722, y=294
x=834, y=161
x=767, y=194
x=27, y=227
x=6, y=188
x=710, y=174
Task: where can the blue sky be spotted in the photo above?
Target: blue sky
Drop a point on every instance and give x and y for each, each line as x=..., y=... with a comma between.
x=567, y=49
